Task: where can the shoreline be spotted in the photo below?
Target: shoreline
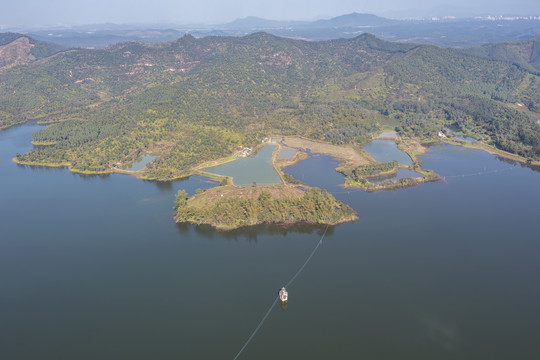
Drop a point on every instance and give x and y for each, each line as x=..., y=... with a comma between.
x=490, y=149
x=411, y=146
x=284, y=224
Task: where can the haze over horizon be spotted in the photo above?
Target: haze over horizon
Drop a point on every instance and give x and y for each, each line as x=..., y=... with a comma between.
x=34, y=13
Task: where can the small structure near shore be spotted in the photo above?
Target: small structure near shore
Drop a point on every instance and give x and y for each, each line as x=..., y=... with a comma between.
x=246, y=152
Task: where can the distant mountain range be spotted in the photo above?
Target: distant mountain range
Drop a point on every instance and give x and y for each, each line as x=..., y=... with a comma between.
x=343, y=21
x=446, y=32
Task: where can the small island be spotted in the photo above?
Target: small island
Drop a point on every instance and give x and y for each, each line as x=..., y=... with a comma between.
x=363, y=176
x=230, y=207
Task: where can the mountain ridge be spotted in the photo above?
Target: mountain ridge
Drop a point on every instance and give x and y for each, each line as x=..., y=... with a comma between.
x=443, y=32
x=195, y=99
x=525, y=53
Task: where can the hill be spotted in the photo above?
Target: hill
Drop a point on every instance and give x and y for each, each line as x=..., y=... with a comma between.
x=257, y=23
x=525, y=53
x=194, y=100
x=352, y=20
x=17, y=49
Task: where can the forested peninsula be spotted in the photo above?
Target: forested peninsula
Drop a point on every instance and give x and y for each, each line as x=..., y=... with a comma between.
x=192, y=100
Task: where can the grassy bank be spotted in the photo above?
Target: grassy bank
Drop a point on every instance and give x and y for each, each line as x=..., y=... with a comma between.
x=33, y=163
x=490, y=149
x=392, y=184
x=43, y=143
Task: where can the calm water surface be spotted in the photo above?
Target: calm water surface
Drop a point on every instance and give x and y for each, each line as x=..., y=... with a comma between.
x=95, y=268
x=252, y=169
x=387, y=150
x=141, y=164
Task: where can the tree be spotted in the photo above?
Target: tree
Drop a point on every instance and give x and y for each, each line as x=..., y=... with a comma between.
x=181, y=199
x=264, y=196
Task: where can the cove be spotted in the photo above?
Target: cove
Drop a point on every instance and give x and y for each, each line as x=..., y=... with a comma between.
x=252, y=169
x=141, y=164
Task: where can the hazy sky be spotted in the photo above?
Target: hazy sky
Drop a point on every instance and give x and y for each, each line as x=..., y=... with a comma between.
x=72, y=12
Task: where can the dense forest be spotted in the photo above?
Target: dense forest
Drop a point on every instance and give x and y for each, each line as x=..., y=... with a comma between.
x=316, y=206
x=372, y=169
x=193, y=100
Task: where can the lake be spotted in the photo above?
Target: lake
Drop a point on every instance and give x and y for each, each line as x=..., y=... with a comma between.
x=387, y=150
x=252, y=169
x=93, y=267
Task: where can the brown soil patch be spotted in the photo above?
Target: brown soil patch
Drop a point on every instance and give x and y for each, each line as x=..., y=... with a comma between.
x=346, y=153
x=299, y=155
x=161, y=147
x=15, y=53
x=412, y=146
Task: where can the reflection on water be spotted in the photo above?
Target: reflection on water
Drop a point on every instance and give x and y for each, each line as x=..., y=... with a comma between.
x=162, y=185
x=92, y=176
x=530, y=166
x=41, y=168
x=522, y=164
x=251, y=233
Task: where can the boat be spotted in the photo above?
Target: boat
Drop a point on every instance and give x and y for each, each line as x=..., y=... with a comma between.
x=283, y=295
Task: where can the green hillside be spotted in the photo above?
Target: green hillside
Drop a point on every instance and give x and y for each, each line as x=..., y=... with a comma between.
x=194, y=100
x=524, y=53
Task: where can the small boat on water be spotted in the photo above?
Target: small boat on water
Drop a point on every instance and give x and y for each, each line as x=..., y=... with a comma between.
x=283, y=295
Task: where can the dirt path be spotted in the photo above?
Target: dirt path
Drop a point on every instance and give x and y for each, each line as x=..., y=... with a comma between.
x=274, y=165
